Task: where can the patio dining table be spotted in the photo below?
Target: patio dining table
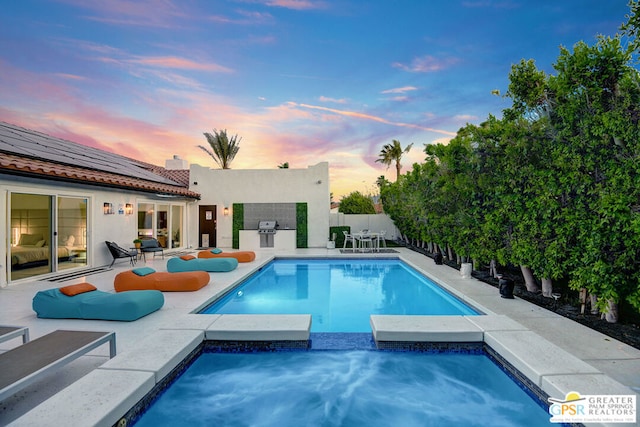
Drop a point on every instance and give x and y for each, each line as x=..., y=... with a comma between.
x=364, y=237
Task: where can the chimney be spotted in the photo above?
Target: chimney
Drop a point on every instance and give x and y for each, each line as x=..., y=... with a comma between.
x=176, y=163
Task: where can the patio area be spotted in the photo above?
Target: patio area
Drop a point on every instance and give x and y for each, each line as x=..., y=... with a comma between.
x=538, y=338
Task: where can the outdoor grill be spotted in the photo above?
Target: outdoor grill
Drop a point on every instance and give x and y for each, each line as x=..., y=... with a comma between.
x=267, y=227
x=266, y=230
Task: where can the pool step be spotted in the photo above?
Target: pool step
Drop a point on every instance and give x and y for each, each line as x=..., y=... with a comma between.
x=425, y=329
x=260, y=327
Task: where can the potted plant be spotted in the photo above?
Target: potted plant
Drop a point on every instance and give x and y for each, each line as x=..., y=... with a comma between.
x=331, y=243
x=137, y=243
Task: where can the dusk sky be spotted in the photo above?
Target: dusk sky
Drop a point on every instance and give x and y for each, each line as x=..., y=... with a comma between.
x=301, y=81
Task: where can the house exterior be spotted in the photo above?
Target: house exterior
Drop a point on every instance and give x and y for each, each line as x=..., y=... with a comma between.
x=62, y=201
x=262, y=194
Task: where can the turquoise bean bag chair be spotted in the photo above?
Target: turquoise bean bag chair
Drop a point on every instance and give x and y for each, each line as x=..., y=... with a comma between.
x=95, y=304
x=212, y=265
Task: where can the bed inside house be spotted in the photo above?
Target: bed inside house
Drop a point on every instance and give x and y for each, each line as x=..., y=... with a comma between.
x=33, y=250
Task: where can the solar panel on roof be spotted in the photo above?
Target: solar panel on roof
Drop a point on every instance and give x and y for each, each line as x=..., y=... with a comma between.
x=25, y=142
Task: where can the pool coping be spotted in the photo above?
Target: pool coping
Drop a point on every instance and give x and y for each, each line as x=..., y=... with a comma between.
x=105, y=394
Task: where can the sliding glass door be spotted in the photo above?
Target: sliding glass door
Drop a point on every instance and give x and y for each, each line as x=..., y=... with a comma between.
x=48, y=234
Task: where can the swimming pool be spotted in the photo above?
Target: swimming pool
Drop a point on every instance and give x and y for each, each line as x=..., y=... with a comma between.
x=344, y=388
x=340, y=294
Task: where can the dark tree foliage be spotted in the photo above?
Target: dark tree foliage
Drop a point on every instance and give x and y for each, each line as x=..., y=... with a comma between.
x=356, y=203
x=553, y=185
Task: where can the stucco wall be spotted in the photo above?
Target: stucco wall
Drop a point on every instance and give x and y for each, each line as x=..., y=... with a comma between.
x=224, y=187
x=376, y=223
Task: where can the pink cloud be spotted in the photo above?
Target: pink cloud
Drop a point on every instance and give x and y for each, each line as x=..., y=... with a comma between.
x=297, y=4
x=426, y=64
x=369, y=117
x=404, y=89
x=119, y=57
x=334, y=100
x=42, y=103
x=174, y=79
x=247, y=18
x=465, y=117
x=179, y=63
x=174, y=118
x=24, y=87
x=70, y=76
x=128, y=13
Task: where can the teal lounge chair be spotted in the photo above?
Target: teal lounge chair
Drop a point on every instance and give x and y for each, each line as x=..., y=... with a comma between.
x=122, y=306
x=175, y=265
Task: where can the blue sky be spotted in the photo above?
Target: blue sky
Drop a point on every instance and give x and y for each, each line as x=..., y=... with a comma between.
x=301, y=81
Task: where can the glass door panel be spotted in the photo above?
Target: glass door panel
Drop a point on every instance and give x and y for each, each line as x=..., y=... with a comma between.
x=72, y=232
x=162, y=226
x=176, y=226
x=31, y=235
x=145, y=220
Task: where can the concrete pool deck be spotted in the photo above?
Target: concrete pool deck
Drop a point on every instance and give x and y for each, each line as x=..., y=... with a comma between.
x=555, y=353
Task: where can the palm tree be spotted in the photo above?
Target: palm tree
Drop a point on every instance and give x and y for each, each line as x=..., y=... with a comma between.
x=223, y=150
x=393, y=153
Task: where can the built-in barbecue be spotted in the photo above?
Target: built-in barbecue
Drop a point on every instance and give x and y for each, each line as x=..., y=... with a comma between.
x=266, y=230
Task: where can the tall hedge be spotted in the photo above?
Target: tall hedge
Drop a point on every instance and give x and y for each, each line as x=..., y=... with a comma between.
x=552, y=186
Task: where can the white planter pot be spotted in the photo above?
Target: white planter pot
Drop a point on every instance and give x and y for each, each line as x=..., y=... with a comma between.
x=465, y=270
x=331, y=244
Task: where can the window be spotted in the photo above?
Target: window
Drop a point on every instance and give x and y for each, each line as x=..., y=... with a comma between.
x=163, y=222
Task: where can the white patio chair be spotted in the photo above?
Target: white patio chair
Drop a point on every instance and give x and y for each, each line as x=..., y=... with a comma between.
x=381, y=239
x=348, y=237
x=365, y=242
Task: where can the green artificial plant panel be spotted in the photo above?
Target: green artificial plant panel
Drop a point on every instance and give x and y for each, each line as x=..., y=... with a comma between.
x=238, y=223
x=302, y=238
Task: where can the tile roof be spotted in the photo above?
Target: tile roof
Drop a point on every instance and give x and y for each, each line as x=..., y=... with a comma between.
x=180, y=176
x=34, y=154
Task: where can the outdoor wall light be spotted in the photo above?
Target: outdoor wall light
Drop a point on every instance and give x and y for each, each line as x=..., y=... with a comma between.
x=107, y=208
x=128, y=209
x=225, y=211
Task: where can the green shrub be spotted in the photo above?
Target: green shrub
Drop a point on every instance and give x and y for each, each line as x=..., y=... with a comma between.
x=339, y=234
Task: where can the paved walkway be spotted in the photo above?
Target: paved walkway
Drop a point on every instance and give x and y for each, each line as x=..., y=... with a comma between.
x=617, y=360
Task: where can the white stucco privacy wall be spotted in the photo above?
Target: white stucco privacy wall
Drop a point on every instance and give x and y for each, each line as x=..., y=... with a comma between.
x=224, y=187
x=357, y=222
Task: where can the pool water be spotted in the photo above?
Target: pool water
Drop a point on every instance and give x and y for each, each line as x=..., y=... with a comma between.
x=344, y=388
x=341, y=294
